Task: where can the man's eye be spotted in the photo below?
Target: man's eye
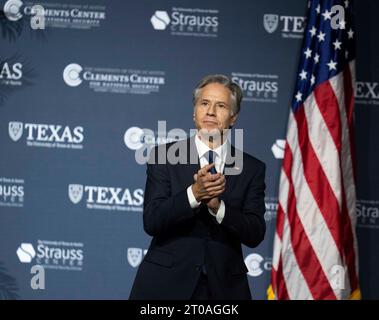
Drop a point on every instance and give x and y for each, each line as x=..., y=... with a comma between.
x=204, y=103
x=222, y=106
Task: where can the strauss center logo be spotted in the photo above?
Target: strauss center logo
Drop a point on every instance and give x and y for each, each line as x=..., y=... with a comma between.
x=160, y=20
x=278, y=148
x=26, y=252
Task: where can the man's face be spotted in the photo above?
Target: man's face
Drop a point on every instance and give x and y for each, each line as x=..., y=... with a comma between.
x=213, y=109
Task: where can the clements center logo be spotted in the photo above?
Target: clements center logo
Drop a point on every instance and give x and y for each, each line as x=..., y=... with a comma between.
x=271, y=204
x=107, y=198
x=57, y=15
x=136, y=138
x=256, y=264
x=114, y=80
x=187, y=21
x=47, y=135
x=60, y=255
x=71, y=75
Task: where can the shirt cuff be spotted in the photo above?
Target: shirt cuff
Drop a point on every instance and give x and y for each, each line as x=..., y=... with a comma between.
x=220, y=213
x=191, y=198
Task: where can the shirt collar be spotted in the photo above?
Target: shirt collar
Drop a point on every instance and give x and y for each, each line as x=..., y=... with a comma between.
x=203, y=148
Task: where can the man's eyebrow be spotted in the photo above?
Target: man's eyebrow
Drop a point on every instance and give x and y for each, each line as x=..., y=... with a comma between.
x=222, y=102
x=217, y=101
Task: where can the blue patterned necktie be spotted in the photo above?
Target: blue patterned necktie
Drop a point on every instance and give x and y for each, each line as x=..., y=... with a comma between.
x=210, y=156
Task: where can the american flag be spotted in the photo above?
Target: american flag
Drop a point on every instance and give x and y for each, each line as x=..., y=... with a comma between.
x=315, y=247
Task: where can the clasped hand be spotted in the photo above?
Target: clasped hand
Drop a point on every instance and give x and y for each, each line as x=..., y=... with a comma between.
x=207, y=187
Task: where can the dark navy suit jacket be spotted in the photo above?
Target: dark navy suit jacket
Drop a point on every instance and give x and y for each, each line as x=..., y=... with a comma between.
x=185, y=239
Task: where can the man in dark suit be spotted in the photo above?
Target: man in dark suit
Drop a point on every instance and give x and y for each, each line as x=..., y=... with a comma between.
x=197, y=215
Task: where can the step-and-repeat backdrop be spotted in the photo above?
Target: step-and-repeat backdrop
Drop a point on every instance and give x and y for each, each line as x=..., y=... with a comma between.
x=81, y=96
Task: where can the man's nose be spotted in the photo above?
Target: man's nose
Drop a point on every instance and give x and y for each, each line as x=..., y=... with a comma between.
x=211, y=109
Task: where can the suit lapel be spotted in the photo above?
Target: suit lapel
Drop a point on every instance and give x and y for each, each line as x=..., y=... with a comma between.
x=231, y=172
x=193, y=164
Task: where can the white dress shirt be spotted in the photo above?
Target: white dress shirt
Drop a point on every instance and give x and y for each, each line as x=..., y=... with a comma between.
x=219, y=161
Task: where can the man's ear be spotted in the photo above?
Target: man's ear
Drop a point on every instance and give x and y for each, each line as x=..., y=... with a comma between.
x=233, y=119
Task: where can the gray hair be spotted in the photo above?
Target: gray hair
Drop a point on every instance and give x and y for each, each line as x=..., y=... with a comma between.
x=227, y=83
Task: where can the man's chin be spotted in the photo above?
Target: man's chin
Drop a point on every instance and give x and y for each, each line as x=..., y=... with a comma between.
x=209, y=131
x=210, y=134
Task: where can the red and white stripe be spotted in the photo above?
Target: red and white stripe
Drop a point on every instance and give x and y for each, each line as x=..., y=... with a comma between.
x=315, y=234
